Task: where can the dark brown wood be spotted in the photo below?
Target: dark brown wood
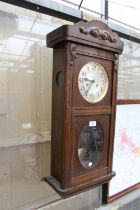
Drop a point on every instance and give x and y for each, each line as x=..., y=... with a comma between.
x=79, y=188
x=101, y=168
x=73, y=34
x=74, y=46
x=98, y=33
x=105, y=191
x=113, y=116
x=81, y=59
x=105, y=188
x=88, y=111
x=123, y=102
x=124, y=192
x=58, y=115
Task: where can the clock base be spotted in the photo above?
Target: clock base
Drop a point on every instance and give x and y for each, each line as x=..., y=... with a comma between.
x=64, y=193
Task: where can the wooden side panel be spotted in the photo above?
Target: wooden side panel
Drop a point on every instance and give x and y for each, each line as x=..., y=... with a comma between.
x=113, y=116
x=105, y=188
x=67, y=150
x=58, y=112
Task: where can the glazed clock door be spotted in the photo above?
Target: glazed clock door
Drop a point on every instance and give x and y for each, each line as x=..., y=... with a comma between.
x=91, y=139
x=90, y=144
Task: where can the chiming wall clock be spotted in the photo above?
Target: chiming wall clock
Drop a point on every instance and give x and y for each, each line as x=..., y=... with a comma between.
x=85, y=63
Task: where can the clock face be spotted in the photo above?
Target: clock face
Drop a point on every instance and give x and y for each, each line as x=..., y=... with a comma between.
x=93, y=82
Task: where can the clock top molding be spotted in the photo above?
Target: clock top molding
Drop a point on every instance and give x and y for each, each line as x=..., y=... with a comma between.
x=93, y=33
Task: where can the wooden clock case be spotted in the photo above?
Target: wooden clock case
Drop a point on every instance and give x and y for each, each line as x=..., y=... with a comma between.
x=73, y=47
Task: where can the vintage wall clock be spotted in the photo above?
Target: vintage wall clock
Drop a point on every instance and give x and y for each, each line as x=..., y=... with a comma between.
x=85, y=63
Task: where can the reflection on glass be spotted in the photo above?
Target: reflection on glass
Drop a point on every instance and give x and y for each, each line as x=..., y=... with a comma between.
x=90, y=144
x=120, y=10
x=92, y=6
x=129, y=74
x=25, y=107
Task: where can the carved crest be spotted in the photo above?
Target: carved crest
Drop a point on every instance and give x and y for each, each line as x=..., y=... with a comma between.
x=91, y=33
x=72, y=53
x=98, y=33
x=116, y=62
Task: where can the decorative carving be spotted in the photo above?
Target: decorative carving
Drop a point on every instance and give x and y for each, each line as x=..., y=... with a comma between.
x=116, y=62
x=98, y=33
x=72, y=53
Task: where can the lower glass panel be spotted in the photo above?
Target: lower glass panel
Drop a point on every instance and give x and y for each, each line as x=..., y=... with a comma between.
x=90, y=144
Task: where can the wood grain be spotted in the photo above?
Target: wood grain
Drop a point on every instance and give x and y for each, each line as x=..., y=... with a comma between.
x=123, y=102
x=70, y=111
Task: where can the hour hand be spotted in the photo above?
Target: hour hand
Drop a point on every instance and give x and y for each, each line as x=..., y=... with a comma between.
x=86, y=79
x=92, y=81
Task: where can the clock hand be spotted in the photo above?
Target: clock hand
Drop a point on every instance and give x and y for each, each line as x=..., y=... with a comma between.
x=86, y=79
x=92, y=81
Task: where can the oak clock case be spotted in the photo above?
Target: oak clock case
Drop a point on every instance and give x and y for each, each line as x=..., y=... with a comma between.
x=85, y=63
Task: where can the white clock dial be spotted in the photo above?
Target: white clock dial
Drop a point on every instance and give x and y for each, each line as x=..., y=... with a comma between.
x=93, y=82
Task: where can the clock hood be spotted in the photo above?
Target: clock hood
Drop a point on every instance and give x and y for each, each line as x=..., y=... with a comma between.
x=94, y=33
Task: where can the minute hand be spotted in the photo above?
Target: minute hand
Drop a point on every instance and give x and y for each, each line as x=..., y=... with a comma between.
x=92, y=81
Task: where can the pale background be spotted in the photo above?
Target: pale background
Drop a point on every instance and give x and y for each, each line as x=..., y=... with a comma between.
x=126, y=158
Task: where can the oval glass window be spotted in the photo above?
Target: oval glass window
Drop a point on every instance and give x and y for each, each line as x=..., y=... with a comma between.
x=90, y=145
